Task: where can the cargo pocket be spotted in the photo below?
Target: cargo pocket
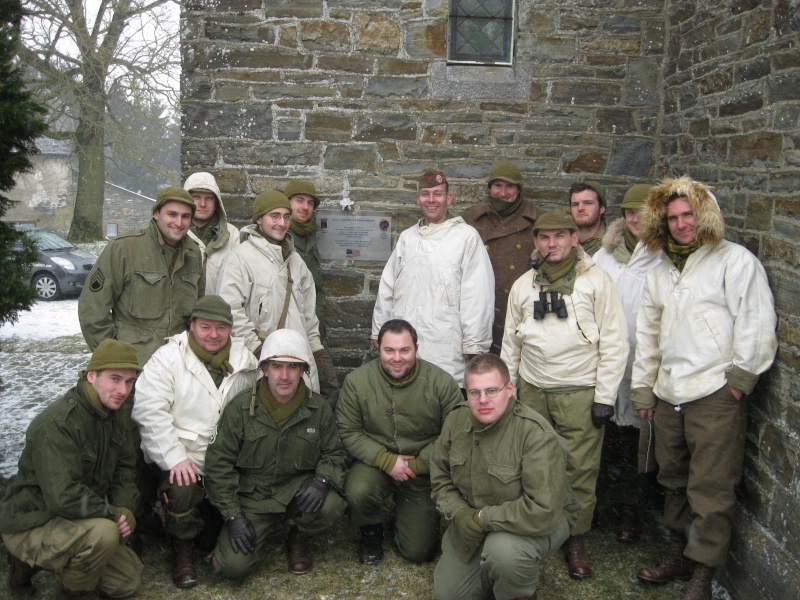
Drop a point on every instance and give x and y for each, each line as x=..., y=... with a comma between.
x=148, y=296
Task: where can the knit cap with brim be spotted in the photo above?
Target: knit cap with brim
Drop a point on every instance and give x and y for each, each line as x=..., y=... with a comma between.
x=601, y=191
x=114, y=354
x=213, y=308
x=555, y=219
x=635, y=196
x=431, y=178
x=267, y=201
x=506, y=171
x=173, y=194
x=299, y=186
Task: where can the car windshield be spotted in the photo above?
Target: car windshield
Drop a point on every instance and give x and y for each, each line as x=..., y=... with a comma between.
x=45, y=240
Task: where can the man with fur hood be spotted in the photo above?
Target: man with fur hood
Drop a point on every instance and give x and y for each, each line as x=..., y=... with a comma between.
x=565, y=344
x=505, y=223
x=210, y=228
x=705, y=332
x=267, y=284
x=627, y=262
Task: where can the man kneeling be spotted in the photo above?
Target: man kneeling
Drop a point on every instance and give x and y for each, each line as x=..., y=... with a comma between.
x=70, y=504
x=276, y=456
x=499, y=472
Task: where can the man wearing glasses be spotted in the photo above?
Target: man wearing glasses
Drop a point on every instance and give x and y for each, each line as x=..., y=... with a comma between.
x=566, y=347
x=267, y=284
x=499, y=473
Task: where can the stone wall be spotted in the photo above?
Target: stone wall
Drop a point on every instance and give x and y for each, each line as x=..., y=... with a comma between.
x=357, y=96
x=731, y=108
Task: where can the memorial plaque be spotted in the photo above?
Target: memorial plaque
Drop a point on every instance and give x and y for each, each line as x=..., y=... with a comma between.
x=344, y=236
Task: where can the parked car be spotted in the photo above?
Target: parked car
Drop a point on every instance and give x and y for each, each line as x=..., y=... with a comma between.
x=62, y=267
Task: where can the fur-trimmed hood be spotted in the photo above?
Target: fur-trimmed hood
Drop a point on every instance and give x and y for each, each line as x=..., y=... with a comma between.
x=653, y=215
x=615, y=235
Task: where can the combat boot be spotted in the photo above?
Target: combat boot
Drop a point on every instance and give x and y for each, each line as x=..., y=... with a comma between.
x=700, y=586
x=20, y=574
x=674, y=565
x=184, y=574
x=370, y=549
x=577, y=558
x=531, y=597
x=299, y=554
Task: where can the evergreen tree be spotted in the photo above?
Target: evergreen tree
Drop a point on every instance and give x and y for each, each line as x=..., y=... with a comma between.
x=20, y=124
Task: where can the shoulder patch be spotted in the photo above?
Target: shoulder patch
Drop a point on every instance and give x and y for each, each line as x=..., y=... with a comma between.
x=97, y=281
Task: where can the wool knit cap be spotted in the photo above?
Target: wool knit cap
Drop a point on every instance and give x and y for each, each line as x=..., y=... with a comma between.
x=601, y=191
x=267, y=201
x=431, y=178
x=635, y=196
x=299, y=186
x=114, y=354
x=173, y=194
x=555, y=219
x=212, y=308
x=507, y=172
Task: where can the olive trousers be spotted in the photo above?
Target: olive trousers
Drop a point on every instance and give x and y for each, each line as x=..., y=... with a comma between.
x=700, y=452
x=416, y=525
x=236, y=565
x=507, y=565
x=570, y=414
x=85, y=554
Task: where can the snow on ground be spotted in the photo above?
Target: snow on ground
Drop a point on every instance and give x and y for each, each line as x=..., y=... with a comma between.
x=40, y=356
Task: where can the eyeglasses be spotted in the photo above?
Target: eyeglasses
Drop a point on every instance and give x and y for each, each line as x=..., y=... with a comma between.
x=490, y=393
x=279, y=217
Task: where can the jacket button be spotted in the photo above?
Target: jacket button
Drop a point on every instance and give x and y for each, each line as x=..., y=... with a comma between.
x=486, y=246
x=505, y=292
x=390, y=411
x=519, y=246
x=512, y=268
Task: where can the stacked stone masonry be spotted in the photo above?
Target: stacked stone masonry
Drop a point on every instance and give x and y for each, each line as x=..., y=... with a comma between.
x=357, y=95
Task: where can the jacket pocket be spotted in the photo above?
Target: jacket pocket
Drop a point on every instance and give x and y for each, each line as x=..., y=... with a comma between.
x=505, y=473
x=306, y=451
x=190, y=282
x=254, y=447
x=148, y=296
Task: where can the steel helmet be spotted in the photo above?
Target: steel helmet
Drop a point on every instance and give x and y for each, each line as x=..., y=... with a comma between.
x=286, y=345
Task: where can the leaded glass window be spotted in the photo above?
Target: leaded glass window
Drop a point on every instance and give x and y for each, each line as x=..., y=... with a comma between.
x=481, y=32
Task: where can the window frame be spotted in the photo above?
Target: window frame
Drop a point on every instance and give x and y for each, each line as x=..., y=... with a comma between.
x=452, y=22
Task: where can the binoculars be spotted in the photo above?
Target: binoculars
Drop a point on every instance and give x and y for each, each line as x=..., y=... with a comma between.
x=549, y=302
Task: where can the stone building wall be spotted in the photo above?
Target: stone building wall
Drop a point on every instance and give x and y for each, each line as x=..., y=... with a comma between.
x=730, y=117
x=357, y=96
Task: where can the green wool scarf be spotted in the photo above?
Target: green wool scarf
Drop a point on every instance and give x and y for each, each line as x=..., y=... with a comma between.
x=92, y=394
x=680, y=253
x=630, y=240
x=560, y=277
x=207, y=232
x=281, y=413
x=503, y=208
x=215, y=363
x=302, y=229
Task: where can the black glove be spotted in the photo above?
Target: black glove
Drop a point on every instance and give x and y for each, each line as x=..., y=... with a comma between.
x=601, y=414
x=311, y=495
x=243, y=534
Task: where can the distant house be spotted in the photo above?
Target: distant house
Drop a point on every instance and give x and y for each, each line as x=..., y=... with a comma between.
x=46, y=196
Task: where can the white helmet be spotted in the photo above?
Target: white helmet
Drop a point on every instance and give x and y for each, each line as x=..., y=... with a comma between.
x=286, y=345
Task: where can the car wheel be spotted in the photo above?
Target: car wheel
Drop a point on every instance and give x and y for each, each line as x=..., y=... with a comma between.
x=46, y=286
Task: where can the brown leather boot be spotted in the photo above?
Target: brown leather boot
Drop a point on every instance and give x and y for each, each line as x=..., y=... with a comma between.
x=700, y=586
x=68, y=594
x=299, y=555
x=19, y=576
x=184, y=574
x=628, y=531
x=674, y=565
x=531, y=597
x=577, y=558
